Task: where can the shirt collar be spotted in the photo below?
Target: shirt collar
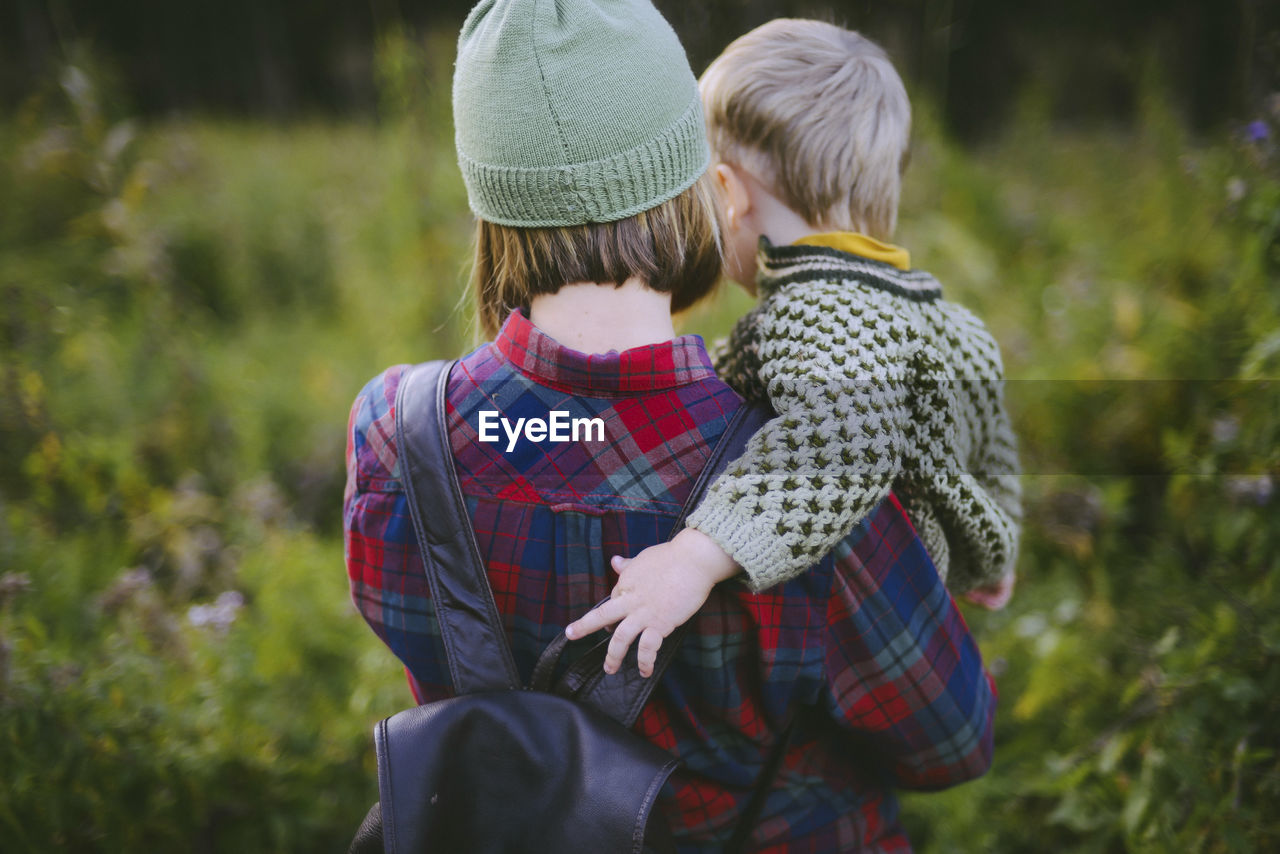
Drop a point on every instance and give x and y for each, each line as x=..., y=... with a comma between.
x=673, y=363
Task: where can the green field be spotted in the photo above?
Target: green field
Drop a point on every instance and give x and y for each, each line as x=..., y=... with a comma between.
x=189, y=307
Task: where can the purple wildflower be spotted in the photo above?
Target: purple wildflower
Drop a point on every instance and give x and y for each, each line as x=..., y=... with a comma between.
x=218, y=616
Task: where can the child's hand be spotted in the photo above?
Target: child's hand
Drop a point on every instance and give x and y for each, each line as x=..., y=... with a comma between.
x=657, y=590
x=993, y=597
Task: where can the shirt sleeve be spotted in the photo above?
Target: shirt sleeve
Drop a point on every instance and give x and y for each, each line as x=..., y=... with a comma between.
x=384, y=568
x=832, y=452
x=904, y=678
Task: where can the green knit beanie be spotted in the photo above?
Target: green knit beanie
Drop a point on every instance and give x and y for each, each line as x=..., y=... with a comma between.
x=574, y=111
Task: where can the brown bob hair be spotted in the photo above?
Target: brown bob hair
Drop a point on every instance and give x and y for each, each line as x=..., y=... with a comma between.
x=673, y=248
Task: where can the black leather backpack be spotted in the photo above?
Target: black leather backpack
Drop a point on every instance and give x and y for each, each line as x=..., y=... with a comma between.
x=498, y=768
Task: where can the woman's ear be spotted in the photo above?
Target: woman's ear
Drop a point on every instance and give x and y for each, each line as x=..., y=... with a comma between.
x=735, y=199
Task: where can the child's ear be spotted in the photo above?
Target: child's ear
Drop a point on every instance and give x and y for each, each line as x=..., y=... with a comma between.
x=732, y=185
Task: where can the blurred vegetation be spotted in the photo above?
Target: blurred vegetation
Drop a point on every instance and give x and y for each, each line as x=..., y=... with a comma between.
x=1133, y=279
x=190, y=306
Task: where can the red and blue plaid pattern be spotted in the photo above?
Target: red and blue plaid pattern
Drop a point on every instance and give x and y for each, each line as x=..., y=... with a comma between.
x=867, y=650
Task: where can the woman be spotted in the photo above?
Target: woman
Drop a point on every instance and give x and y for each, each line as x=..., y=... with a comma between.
x=581, y=142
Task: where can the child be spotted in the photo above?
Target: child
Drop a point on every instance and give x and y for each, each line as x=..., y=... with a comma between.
x=879, y=383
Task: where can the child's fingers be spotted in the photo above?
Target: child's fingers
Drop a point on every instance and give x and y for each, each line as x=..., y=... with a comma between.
x=992, y=600
x=647, y=650
x=993, y=596
x=623, y=635
x=997, y=599
x=596, y=619
x=619, y=563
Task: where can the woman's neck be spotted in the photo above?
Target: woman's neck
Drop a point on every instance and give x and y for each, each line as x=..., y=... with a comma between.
x=593, y=318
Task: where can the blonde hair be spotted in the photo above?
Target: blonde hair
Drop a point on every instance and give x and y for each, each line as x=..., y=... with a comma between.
x=673, y=248
x=818, y=114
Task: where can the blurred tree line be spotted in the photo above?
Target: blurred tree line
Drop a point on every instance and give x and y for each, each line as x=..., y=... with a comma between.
x=283, y=58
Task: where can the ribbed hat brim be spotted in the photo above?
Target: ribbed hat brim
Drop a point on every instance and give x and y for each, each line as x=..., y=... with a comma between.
x=600, y=191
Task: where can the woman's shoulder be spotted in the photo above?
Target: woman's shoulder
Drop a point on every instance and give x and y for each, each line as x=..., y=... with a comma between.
x=371, y=430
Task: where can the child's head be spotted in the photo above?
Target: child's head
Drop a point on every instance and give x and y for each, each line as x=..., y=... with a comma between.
x=818, y=115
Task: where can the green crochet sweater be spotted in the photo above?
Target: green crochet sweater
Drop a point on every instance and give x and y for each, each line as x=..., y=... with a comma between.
x=878, y=384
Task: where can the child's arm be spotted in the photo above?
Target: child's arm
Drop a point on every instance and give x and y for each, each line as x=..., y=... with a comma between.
x=999, y=476
x=836, y=446
x=982, y=501
x=804, y=480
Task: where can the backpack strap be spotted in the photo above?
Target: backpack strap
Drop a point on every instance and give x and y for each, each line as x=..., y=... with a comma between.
x=475, y=643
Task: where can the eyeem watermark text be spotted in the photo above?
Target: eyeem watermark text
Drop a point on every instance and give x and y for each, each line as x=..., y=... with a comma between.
x=559, y=427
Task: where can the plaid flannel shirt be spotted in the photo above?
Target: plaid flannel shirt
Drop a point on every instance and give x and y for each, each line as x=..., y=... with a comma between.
x=866, y=650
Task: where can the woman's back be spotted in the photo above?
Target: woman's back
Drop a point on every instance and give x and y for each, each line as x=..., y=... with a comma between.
x=549, y=515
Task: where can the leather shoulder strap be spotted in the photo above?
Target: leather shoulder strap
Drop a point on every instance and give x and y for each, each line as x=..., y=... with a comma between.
x=475, y=643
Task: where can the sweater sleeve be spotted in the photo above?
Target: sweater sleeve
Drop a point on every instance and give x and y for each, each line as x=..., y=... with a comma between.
x=384, y=567
x=960, y=472
x=996, y=487
x=737, y=359
x=832, y=452
x=999, y=471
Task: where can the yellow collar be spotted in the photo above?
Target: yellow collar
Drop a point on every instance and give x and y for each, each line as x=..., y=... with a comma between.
x=860, y=244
